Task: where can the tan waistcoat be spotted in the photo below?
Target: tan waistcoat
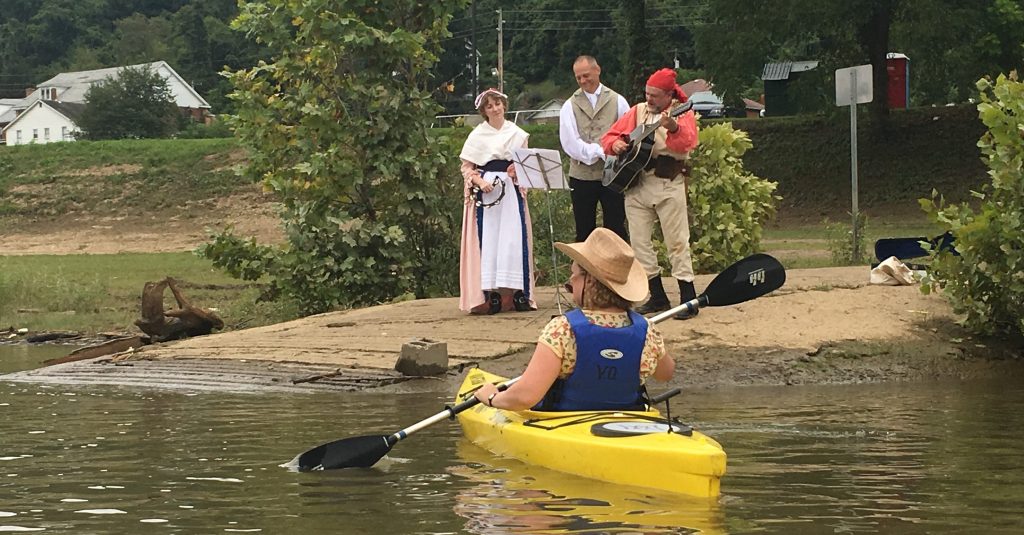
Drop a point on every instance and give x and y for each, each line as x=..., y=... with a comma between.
x=592, y=122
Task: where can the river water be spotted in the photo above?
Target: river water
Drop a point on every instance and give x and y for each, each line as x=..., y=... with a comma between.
x=904, y=458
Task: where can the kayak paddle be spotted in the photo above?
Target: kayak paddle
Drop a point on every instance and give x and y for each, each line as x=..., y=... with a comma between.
x=747, y=279
x=750, y=278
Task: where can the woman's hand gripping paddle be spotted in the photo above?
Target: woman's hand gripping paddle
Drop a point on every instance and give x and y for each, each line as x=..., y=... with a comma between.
x=747, y=279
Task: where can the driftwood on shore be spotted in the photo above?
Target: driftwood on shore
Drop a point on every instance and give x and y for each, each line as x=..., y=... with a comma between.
x=185, y=321
x=110, y=347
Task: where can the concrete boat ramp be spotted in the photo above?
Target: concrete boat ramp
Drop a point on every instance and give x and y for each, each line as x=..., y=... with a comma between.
x=764, y=340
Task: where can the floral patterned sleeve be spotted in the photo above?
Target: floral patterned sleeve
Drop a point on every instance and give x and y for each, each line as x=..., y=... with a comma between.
x=654, y=349
x=558, y=336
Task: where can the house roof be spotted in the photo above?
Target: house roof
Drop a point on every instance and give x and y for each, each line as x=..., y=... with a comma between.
x=782, y=70
x=752, y=104
x=695, y=86
x=76, y=84
x=71, y=110
x=8, y=109
x=8, y=116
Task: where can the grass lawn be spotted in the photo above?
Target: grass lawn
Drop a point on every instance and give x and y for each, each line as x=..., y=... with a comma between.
x=95, y=293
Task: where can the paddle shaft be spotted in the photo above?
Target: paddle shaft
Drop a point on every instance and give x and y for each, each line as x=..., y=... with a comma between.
x=448, y=412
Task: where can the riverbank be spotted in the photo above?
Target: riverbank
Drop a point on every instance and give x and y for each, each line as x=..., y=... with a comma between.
x=824, y=326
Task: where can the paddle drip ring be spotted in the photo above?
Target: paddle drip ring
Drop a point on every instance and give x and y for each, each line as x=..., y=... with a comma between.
x=477, y=193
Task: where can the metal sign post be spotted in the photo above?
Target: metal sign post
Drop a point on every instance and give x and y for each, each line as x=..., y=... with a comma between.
x=854, y=86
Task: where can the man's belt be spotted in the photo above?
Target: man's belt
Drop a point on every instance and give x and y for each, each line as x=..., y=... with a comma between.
x=665, y=166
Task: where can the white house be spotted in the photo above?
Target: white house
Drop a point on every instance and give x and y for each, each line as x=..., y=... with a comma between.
x=545, y=113
x=45, y=121
x=70, y=88
x=9, y=108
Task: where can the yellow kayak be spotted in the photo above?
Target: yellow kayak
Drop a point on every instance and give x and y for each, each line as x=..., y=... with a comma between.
x=624, y=447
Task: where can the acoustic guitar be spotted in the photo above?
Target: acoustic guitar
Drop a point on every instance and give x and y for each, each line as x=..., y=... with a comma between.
x=622, y=171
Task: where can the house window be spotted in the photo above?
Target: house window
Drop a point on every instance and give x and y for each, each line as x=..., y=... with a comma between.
x=46, y=134
x=49, y=93
x=64, y=133
x=35, y=134
x=17, y=136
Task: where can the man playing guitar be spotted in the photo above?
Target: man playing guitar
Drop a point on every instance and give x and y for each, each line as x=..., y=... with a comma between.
x=660, y=194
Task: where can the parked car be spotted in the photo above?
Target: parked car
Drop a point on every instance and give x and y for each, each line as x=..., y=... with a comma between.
x=708, y=104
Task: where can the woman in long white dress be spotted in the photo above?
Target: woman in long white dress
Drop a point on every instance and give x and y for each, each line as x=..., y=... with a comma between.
x=496, y=268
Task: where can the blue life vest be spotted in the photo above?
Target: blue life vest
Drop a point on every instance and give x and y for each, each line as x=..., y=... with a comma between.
x=607, y=372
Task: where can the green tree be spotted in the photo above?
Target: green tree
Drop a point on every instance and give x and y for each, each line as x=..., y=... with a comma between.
x=337, y=125
x=986, y=281
x=142, y=39
x=137, y=103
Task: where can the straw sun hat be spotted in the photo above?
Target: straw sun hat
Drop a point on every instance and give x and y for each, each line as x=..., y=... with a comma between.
x=610, y=260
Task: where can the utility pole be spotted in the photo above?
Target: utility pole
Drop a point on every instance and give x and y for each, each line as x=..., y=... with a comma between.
x=501, y=56
x=476, y=55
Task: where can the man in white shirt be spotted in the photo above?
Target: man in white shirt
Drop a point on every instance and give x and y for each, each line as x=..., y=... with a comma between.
x=584, y=118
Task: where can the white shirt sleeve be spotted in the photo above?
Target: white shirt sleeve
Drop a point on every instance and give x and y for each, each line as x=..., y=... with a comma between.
x=569, y=135
x=623, y=107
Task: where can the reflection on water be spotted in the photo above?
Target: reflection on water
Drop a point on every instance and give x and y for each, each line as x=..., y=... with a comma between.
x=872, y=459
x=882, y=458
x=18, y=357
x=508, y=496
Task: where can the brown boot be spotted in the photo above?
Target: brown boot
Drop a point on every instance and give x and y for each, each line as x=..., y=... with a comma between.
x=658, y=302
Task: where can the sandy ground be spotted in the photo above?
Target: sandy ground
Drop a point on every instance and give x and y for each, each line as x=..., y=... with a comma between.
x=823, y=326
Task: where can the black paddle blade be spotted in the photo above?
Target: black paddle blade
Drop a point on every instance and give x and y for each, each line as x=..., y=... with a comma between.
x=908, y=248
x=355, y=452
x=747, y=279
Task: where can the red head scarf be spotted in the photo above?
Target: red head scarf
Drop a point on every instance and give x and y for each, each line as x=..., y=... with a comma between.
x=665, y=79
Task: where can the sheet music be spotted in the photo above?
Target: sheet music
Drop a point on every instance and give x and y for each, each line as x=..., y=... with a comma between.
x=539, y=169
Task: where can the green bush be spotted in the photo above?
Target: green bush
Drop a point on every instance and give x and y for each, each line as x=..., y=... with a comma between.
x=216, y=129
x=986, y=282
x=728, y=204
x=841, y=242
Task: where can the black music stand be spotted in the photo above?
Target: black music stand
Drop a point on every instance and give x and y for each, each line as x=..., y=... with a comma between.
x=542, y=169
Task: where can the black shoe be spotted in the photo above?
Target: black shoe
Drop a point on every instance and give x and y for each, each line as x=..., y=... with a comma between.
x=658, y=302
x=686, y=293
x=653, y=305
x=494, y=298
x=520, y=301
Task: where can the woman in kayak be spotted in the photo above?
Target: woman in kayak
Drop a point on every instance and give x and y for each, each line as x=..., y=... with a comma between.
x=597, y=356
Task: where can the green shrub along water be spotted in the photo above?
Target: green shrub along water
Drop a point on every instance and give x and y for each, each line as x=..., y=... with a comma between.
x=985, y=282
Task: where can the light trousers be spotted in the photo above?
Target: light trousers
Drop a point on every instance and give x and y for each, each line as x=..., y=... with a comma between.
x=652, y=200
